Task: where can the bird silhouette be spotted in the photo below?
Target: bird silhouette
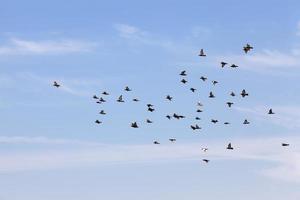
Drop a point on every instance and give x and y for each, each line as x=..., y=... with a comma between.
x=149, y=121
x=203, y=78
x=246, y=122
x=229, y=104
x=135, y=99
x=134, y=125
x=183, y=81
x=285, y=144
x=244, y=93
x=271, y=112
x=232, y=94
x=168, y=116
x=102, y=100
x=168, y=97
x=211, y=95
x=95, y=97
x=233, y=66
x=204, y=149
x=183, y=73
x=105, y=93
x=223, y=64
x=205, y=160
x=151, y=109
x=202, y=53
x=172, y=140
x=156, y=142
x=127, y=89
x=199, y=104
x=149, y=105
x=229, y=147
x=247, y=48
x=176, y=116
x=197, y=118
x=199, y=110
x=55, y=84
x=214, y=82
x=120, y=99
x=98, y=122
x=226, y=123
x=193, y=89
x=214, y=121
x=102, y=112
x=195, y=127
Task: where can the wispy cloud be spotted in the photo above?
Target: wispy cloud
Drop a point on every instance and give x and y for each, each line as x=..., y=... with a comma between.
x=16, y=46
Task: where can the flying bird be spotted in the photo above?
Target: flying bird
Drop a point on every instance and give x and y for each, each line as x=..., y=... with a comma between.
x=205, y=160
x=229, y=104
x=197, y=118
x=193, y=89
x=183, y=73
x=211, y=95
x=223, y=64
x=127, y=89
x=135, y=99
x=95, y=97
x=168, y=116
x=285, y=144
x=202, y=53
x=183, y=81
x=244, y=93
x=232, y=94
x=178, y=116
x=196, y=127
x=226, y=123
x=204, y=149
x=55, y=84
x=246, y=122
x=156, y=142
x=168, y=97
x=214, y=121
x=149, y=121
x=271, y=112
x=199, y=104
x=247, y=48
x=199, y=110
x=229, y=147
x=203, y=78
x=151, y=109
x=102, y=112
x=98, y=122
x=149, y=105
x=105, y=93
x=134, y=125
x=102, y=100
x=234, y=66
x=214, y=82
x=120, y=99
x=172, y=140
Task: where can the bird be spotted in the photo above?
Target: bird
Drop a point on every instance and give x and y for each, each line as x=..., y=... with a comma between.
x=244, y=93
x=203, y=78
x=232, y=94
x=135, y=99
x=285, y=144
x=229, y=104
x=214, y=121
x=214, y=82
x=211, y=95
x=202, y=53
x=205, y=160
x=246, y=122
x=271, y=112
x=102, y=112
x=55, y=84
x=183, y=81
x=196, y=127
x=127, y=89
x=226, y=123
x=95, y=97
x=168, y=116
x=223, y=64
x=134, y=125
x=199, y=104
x=193, y=89
x=149, y=105
x=197, y=118
x=229, y=147
x=120, y=99
x=234, y=66
x=172, y=140
x=149, y=121
x=199, y=110
x=102, y=100
x=105, y=93
x=183, y=73
x=178, y=116
x=98, y=122
x=151, y=109
x=247, y=48
x=156, y=142
x=204, y=149
x=168, y=97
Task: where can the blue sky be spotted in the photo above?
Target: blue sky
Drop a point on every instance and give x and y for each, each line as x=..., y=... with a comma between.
x=50, y=147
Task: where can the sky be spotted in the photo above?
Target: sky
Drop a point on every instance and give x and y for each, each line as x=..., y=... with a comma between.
x=50, y=147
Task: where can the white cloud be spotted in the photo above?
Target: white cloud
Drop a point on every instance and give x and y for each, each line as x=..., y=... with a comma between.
x=17, y=46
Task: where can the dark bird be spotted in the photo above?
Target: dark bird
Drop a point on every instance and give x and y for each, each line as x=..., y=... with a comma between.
x=199, y=110
x=214, y=82
x=136, y=100
x=168, y=116
x=156, y=142
x=229, y=147
x=149, y=105
x=193, y=89
x=172, y=140
x=226, y=123
x=214, y=121
x=151, y=109
x=149, y=121
x=271, y=112
x=285, y=144
x=247, y=48
x=102, y=100
x=246, y=122
x=203, y=78
x=197, y=118
x=183, y=73
x=223, y=64
x=120, y=99
x=199, y=104
x=102, y=112
x=211, y=95
x=234, y=66
x=127, y=89
x=55, y=84
x=205, y=160
x=232, y=94
x=134, y=125
x=168, y=97
x=196, y=127
x=178, y=116
x=183, y=81
x=229, y=104
x=105, y=93
x=204, y=149
x=244, y=93
x=202, y=53
x=95, y=97
x=98, y=122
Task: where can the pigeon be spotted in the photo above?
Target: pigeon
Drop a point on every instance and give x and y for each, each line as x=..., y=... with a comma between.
x=203, y=78
x=127, y=89
x=120, y=99
x=229, y=147
x=202, y=53
x=156, y=142
x=247, y=48
x=151, y=109
x=102, y=112
x=168, y=97
x=178, y=116
x=197, y=118
x=246, y=122
x=223, y=64
x=205, y=160
x=226, y=123
x=136, y=100
x=168, y=116
x=55, y=84
x=149, y=121
x=134, y=125
x=98, y=122
x=214, y=82
x=232, y=94
x=183, y=81
x=244, y=93
x=105, y=93
x=229, y=104
x=172, y=140
x=271, y=112
x=214, y=121
x=199, y=110
x=95, y=97
x=234, y=66
x=193, y=89
x=285, y=144
x=211, y=95
x=204, y=149
x=183, y=73
x=196, y=127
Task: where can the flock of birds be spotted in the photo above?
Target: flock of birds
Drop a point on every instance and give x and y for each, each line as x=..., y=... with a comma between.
x=183, y=74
